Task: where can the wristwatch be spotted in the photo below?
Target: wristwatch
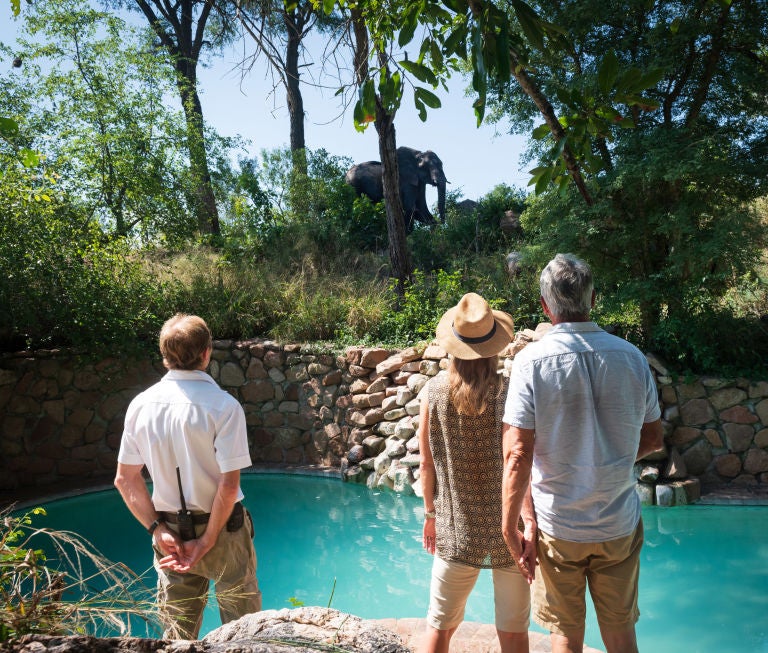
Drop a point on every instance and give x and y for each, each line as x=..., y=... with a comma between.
x=154, y=525
x=429, y=514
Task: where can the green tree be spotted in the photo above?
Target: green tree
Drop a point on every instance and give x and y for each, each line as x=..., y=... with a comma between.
x=670, y=226
x=184, y=29
x=92, y=98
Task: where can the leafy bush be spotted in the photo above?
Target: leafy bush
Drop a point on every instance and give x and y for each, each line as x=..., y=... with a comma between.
x=62, y=281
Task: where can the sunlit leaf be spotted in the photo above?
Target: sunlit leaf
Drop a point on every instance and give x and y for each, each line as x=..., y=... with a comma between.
x=420, y=72
x=29, y=158
x=429, y=98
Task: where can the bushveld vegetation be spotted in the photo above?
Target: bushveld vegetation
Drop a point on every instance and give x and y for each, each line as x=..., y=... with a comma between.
x=101, y=234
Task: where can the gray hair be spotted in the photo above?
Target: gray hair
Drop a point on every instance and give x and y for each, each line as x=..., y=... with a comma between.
x=566, y=286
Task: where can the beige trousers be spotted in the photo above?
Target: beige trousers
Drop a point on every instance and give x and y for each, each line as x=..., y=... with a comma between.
x=230, y=564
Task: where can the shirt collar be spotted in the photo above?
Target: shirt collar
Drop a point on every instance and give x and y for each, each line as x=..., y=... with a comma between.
x=188, y=375
x=574, y=327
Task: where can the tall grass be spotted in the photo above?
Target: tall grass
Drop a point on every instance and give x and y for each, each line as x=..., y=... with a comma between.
x=55, y=582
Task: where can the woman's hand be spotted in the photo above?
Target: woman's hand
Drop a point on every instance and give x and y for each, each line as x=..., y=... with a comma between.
x=429, y=536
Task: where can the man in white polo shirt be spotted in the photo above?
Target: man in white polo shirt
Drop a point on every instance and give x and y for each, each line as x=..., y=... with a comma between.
x=191, y=436
x=582, y=407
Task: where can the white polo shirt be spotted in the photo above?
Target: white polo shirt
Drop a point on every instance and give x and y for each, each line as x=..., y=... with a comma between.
x=185, y=420
x=586, y=393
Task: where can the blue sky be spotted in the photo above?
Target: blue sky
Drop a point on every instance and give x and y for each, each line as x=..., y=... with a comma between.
x=474, y=159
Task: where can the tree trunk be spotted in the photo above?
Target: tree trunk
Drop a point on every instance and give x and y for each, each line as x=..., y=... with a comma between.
x=185, y=51
x=294, y=26
x=399, y=255
x=203, y=197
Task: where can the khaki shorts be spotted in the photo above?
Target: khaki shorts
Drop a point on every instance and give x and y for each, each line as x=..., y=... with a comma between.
x=450, y=587
x=230, y=564
x=610, y=569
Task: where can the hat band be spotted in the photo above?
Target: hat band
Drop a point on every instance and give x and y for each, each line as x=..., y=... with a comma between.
x=475, y=341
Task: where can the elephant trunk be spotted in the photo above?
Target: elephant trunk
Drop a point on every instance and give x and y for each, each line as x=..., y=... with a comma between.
x=441, y=200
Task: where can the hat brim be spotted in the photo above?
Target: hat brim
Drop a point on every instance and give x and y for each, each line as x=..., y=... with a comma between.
x=444, y=335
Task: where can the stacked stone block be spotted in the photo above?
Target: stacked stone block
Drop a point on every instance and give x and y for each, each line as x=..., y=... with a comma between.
x=61, y=416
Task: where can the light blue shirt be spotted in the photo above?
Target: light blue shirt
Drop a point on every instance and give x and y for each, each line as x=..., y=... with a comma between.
x=586, y=394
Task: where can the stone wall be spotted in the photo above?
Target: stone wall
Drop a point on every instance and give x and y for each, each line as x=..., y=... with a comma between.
x=61, y=416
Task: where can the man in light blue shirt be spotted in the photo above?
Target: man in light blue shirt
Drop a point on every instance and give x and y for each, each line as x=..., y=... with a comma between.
x=582, y=408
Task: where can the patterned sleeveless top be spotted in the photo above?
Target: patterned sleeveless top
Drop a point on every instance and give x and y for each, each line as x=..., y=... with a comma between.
x=468, y=475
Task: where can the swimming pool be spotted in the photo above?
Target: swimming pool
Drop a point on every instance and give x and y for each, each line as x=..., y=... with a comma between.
x=703, y=585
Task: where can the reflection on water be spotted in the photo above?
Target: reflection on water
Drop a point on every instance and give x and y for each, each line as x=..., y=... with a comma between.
x=703, y=584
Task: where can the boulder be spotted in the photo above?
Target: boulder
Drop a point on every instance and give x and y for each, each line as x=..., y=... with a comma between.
x=301, y=630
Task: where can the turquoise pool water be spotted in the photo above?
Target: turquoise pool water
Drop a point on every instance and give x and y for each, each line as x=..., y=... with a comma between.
x=703, y=587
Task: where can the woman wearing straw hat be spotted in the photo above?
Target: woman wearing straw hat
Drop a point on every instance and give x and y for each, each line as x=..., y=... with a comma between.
x=461, y=475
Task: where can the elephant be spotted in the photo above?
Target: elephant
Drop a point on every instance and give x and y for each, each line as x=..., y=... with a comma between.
x=416, y=170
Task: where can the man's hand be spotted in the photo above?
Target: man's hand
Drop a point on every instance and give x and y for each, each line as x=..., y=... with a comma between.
x=185, y=556
x=167, y=541
x=529, y=552
x=520, y=550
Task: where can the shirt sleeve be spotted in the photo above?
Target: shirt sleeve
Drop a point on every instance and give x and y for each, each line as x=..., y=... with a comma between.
x=652, y=409
x=519, y=407
x=231, y=440
x=129, y=452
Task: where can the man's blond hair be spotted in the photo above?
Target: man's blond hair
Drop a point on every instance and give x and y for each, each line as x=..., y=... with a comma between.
x=184, y=339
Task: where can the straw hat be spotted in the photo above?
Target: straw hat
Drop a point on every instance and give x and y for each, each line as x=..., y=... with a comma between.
x=472, y=330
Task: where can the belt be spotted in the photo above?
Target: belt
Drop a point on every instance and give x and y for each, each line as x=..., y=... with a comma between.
x=197, y=519
x=172, y=518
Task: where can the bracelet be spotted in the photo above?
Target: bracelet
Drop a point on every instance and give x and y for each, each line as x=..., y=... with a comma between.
x=429, y=514
x=154, y=525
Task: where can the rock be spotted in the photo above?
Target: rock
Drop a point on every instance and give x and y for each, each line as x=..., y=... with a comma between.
x=697, y=457
x=697, y=412
x=665, y=495
x=646, y=493
x=356, y=454
x=676, y=468
x=301, y=627
x=302, y=630
x=648, y=474
x=738, y=436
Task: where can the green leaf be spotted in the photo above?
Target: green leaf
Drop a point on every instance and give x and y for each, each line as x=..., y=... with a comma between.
x=455, y=43
x=420, y=72
x=328, y=6
x=408, y=29
x=541, y=132
x=8, y=128
x=420, y=108
x=674, y=26
x=650, y=79
x=429, y=98
x=609, y=70
x=530, y=23
x=628, y=82
x=29, y=158
x=502, y=53
x=543, y=181
x=16, y=7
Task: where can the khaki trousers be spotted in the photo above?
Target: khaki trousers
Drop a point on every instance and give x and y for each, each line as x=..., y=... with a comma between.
x=230, y=564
